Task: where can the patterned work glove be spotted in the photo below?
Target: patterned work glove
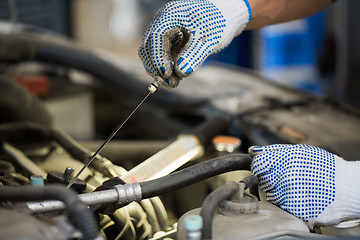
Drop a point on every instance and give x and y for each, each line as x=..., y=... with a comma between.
x=185, y=32
x=308, y=182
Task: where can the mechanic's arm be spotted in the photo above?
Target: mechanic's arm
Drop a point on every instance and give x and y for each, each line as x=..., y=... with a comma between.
x=265, y=12
x=184, y=33
x=308, y=182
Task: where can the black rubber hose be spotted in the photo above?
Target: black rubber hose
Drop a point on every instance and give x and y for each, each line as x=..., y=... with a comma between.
x=213, y=126
x=26, y=131
x=210, y=204
x=78, y=213
x=31, y=47
x=17, y=104
x=196, y=173
x=250, y=181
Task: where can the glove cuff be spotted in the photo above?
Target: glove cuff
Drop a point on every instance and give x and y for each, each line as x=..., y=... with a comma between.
x=347, y=194
x=237, y=14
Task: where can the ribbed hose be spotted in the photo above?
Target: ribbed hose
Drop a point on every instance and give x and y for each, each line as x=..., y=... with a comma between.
x=210, y=204
x=196, y=173
x=78, y=213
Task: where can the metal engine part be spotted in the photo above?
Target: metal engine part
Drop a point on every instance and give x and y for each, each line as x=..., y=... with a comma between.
x=16, y=225
x=135, y=221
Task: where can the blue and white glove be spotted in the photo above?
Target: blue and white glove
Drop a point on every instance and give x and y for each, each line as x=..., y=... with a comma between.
x=185, y=32
x=308, y=182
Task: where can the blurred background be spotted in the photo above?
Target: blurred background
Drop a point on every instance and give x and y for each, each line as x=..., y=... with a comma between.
x=316, y=54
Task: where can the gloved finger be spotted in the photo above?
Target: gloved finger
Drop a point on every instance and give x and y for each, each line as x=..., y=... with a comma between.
x=161, y=52
x=279, y=197
x=172, y=44
x=273, y=156
x=270, y=166
x=262, y=166
x=264, y=184
x=173, y=81
x=164, y=70
x=178, y=41
x=257, y=150
x=195, y=52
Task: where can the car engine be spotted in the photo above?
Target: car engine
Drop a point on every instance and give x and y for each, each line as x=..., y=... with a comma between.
x=183, y=154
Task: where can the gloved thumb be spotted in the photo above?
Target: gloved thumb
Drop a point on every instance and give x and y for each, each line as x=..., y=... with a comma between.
x=171, y=46
x=195, y=52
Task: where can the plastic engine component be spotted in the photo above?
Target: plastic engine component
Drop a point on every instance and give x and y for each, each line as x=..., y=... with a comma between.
x=246, y=225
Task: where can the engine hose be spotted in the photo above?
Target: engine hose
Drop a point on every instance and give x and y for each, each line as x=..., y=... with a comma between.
x=78, y=213
x=17, y=104
x=214, y=124
x=31, y=47
x=125, y=194
x=193, y=174
x=249, y=181
x=26, y=131
x=210, y=204
x=221, y=194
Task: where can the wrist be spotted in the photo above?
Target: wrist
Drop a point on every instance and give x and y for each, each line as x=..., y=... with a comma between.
x=237, y=14
x=347, y=188
x=347, y=194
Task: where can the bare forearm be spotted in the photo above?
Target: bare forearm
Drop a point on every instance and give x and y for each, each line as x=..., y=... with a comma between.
x=266, y=12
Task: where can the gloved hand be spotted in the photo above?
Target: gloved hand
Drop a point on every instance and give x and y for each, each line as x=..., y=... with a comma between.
x=308, y=182
x=185, y=32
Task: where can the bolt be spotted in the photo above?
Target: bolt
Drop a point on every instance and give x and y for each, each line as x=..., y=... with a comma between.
x=68, y=174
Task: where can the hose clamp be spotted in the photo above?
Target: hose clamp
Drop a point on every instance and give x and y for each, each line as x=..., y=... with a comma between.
x=128, y=193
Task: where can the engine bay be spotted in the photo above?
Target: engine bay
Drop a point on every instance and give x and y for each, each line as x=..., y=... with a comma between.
x=58, y=101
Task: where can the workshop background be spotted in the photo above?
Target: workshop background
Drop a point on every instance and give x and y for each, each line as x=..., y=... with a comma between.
x=318, y=55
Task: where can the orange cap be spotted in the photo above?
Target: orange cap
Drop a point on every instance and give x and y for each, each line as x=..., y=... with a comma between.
x=226, y=143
